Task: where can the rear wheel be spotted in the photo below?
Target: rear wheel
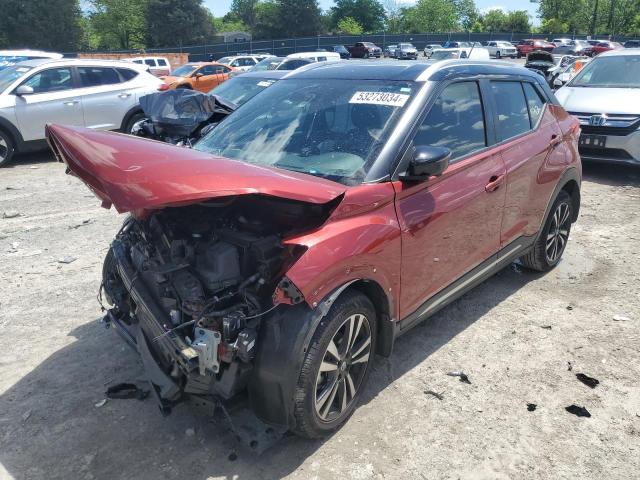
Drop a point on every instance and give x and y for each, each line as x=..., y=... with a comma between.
x=335, y=367
x=498, y=54
x=550, y=245
x=6, y=149
x=135, y=118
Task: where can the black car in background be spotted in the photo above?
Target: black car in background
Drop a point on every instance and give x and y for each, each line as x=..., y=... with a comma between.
x=342, y=50
x=632, y=44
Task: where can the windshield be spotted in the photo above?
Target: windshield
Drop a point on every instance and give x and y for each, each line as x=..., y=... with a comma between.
x=225, y=60
x=333, y=128
x=269, y=63
x=9, y=75
x=444, y=54
x=610, y=72
x=406, y=45
x=184, y=70
x=240, y=89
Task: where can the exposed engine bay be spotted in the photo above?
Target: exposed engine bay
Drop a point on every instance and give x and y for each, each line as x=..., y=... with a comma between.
x=210, y=272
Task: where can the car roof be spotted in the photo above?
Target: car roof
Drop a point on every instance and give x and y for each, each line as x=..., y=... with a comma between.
x=81, y=62
x=409, y=71
x=267, y=74
x=631, y=52
x=28, y=53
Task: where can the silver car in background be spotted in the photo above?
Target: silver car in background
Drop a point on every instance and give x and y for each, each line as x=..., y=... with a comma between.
x=605, y=96
x=428, y=49
x=98, y=94
x=406, y=51
x=499, y=49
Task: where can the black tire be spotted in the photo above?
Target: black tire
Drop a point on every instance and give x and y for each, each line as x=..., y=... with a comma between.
x=366, y=55
x=136, y=117
x=541, y=258
x=314, y=385
x=185, y=87
x=518, y=55
x=498, y=54
x=7, y=148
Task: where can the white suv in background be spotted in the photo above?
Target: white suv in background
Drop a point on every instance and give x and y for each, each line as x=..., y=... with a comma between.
x=499, y=49
x=158, y=66
x=98, y=94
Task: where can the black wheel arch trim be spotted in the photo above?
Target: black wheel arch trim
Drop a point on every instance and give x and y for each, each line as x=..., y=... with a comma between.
x=132, y=111
x=570, y=175
x=13, y=131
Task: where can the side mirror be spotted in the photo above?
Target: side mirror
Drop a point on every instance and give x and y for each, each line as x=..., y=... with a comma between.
x=24, y=90
x=427, y=161
x=198, y=75
x=557, y=83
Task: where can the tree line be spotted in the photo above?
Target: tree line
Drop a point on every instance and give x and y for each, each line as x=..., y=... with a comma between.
x=65, y=25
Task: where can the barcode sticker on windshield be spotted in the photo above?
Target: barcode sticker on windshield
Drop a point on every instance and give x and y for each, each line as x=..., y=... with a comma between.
x=380, y=98
x=264, y=83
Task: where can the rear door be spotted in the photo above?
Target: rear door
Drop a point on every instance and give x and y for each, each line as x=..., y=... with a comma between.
x=55, y=99
x=527, y=138
x=450, y=224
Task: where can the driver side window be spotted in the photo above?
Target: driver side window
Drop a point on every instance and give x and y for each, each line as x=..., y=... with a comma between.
x=51, y=80
x=455, y=121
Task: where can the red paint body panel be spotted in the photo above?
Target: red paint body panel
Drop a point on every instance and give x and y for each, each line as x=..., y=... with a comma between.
x=137, y=175
x=449, y=225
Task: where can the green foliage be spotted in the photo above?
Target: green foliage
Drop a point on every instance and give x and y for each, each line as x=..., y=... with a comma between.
x=349, y=26
x=590, y=16
x=467, y=13
x=299, y=18
x=221, y=25
x=246, y=11
x=430, y=16
x=178, y=22
x=117, y=24
x=41, y=24
x=268, y=20
x=553, y=25
x=369, y=14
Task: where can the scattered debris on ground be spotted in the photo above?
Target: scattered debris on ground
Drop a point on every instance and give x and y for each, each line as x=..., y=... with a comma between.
x=621, y=318
x=125, y=391
x=10, y=214
x=531, y=407
x=101, y=403
x=578, y=411
x=587, y=380
x=67, y=259
x=546, y=327
x=439, y=396
x=463, y=376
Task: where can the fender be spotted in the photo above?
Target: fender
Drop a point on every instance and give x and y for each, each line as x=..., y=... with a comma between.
x=11, y=129
x=572, y=173
x=284, y=339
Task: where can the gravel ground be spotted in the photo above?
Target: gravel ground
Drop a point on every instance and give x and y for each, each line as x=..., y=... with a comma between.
x=514, y=336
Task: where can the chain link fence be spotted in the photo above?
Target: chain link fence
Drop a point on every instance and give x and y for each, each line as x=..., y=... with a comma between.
x=284, y=47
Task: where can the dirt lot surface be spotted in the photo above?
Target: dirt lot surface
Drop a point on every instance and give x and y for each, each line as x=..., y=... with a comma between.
x=514, y=336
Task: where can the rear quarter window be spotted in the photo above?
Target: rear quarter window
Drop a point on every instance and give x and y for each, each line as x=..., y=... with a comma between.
x=162, y=62
x=127, y=74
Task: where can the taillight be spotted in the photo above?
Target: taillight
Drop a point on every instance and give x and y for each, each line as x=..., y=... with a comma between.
x=163, y=86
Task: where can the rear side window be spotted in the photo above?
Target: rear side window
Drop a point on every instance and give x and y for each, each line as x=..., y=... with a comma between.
x=96, y=76
x=455, y=121
x=511, y=109
x=534, y=102
x=151, y=62
x=162, y=62
x=127, y=74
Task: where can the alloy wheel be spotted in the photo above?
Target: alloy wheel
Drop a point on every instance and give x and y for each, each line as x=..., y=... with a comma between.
x=343, y=367
x=558, y=233
x=4, y=149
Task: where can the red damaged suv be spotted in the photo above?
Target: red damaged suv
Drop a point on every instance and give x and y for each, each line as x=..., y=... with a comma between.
x=321, y=220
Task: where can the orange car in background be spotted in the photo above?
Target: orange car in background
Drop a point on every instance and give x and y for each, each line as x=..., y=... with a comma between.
x=201, y=76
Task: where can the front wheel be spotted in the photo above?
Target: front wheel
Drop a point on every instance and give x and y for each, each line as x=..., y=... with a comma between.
x=552, y=241
x=131, y=123
x=6, y=149
x=498, y=54
x=335, y=367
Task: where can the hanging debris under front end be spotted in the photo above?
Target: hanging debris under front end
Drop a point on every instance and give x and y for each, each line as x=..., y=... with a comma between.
x=189, y=287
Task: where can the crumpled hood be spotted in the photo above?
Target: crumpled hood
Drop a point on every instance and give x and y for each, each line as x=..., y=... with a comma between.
x=540, y=56
x=135, y=174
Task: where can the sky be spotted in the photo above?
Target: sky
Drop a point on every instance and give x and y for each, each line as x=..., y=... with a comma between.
x=220, y=7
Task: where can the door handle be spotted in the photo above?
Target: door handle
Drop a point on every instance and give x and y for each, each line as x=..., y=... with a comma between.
x=71, y=103
x=124, y=95
x=494, y=183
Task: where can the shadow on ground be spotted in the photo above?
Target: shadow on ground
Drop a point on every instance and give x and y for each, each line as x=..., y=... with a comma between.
x=615, y=175
x=51, y=427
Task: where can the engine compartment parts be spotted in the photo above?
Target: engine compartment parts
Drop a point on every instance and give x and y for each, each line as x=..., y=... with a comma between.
x=190, y=286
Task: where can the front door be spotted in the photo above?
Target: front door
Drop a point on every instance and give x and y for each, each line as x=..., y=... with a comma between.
x=54, y=100
x=451, y=223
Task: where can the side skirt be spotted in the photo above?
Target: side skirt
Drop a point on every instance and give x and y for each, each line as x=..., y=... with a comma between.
x=469, y=280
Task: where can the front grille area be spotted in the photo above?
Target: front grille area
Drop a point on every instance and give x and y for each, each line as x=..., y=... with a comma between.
x=617, y=153
x=615, y=125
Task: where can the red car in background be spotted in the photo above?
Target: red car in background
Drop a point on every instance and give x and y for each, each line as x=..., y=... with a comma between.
x=604, y=47
x=525, y=47
x=328, y=215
